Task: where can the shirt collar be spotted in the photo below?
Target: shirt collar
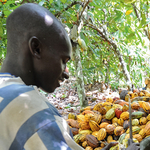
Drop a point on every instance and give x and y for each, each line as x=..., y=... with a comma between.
x=8, y=75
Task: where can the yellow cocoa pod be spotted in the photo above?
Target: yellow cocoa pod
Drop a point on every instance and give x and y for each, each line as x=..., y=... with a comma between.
x=120, y=121
x=106, y=103
x=110, y=99
x=115, y=120
x=98, y=106
x=125, y=115
x=89, y=116
x=97, y=118
x=125, y=107
x=116, y=106
x=71, y=116
x=84, y=144
x=116, y=147
x=143, y=121
x=115, y=124
x=148, y=122
x=94, y=126
x=101, y=134
x=141, y=94
x=147, y=94
x=146, y=107
x=135, y=122
x=147, y=129
x=88, y=148
x=98, y=148
x=85, y=132
x=135, y=130
x=95, y=133
x=81, y=118
x=109, y=139
x=82, y=138
x=142, y=133
x=77, y=138
x=108, y=107
x=148, y=117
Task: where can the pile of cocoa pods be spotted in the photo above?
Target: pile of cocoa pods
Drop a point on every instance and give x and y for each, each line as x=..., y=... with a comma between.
x=108, y=121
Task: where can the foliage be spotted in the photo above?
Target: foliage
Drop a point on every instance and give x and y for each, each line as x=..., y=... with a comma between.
x=126, y=24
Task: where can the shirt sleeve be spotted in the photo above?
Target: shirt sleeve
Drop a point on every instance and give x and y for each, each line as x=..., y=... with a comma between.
x=53, y=136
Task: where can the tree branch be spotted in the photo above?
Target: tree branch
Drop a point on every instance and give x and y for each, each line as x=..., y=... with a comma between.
x=135, y=10
x=69, y=6
x=84, y=9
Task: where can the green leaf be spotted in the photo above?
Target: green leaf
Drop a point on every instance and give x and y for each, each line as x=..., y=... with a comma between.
x=1, y=30
x=51, y=1
x=41, y=3
x=63, y=1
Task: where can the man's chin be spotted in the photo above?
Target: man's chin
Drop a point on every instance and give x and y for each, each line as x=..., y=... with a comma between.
x=48, y=90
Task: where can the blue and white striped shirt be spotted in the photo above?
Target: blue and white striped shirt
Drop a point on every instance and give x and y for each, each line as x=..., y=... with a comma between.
x=28, y=121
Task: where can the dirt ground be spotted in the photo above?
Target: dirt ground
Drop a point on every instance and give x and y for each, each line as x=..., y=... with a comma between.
x=65, y=98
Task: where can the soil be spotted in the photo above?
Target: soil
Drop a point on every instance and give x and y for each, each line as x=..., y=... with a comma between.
x=66, y=100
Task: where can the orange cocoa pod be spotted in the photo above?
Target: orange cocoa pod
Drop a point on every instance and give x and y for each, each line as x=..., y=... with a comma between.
x=73, y=123
x=84, y=125
x=103, y=124
x=110, y=129
x=87, y=112
x=119, y=130
x=135, y=105
x=138, y=137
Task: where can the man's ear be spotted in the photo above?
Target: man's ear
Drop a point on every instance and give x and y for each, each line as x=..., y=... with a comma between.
x=35, y=46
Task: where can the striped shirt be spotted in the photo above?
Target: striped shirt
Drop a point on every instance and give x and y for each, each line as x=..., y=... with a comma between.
x=28, y=121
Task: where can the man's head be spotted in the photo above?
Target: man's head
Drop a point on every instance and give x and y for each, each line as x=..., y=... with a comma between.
x=38, y=47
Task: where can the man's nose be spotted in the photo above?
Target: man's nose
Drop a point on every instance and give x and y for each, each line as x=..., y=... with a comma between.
x=66, y=73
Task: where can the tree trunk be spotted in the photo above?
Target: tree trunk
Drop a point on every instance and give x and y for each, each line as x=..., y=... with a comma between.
x=79, y=74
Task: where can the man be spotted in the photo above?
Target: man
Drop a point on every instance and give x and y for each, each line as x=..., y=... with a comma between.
x=37, y=52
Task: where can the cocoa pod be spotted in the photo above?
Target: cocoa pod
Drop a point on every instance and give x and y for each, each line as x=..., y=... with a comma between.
x=92, y=141
x=74, y=131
